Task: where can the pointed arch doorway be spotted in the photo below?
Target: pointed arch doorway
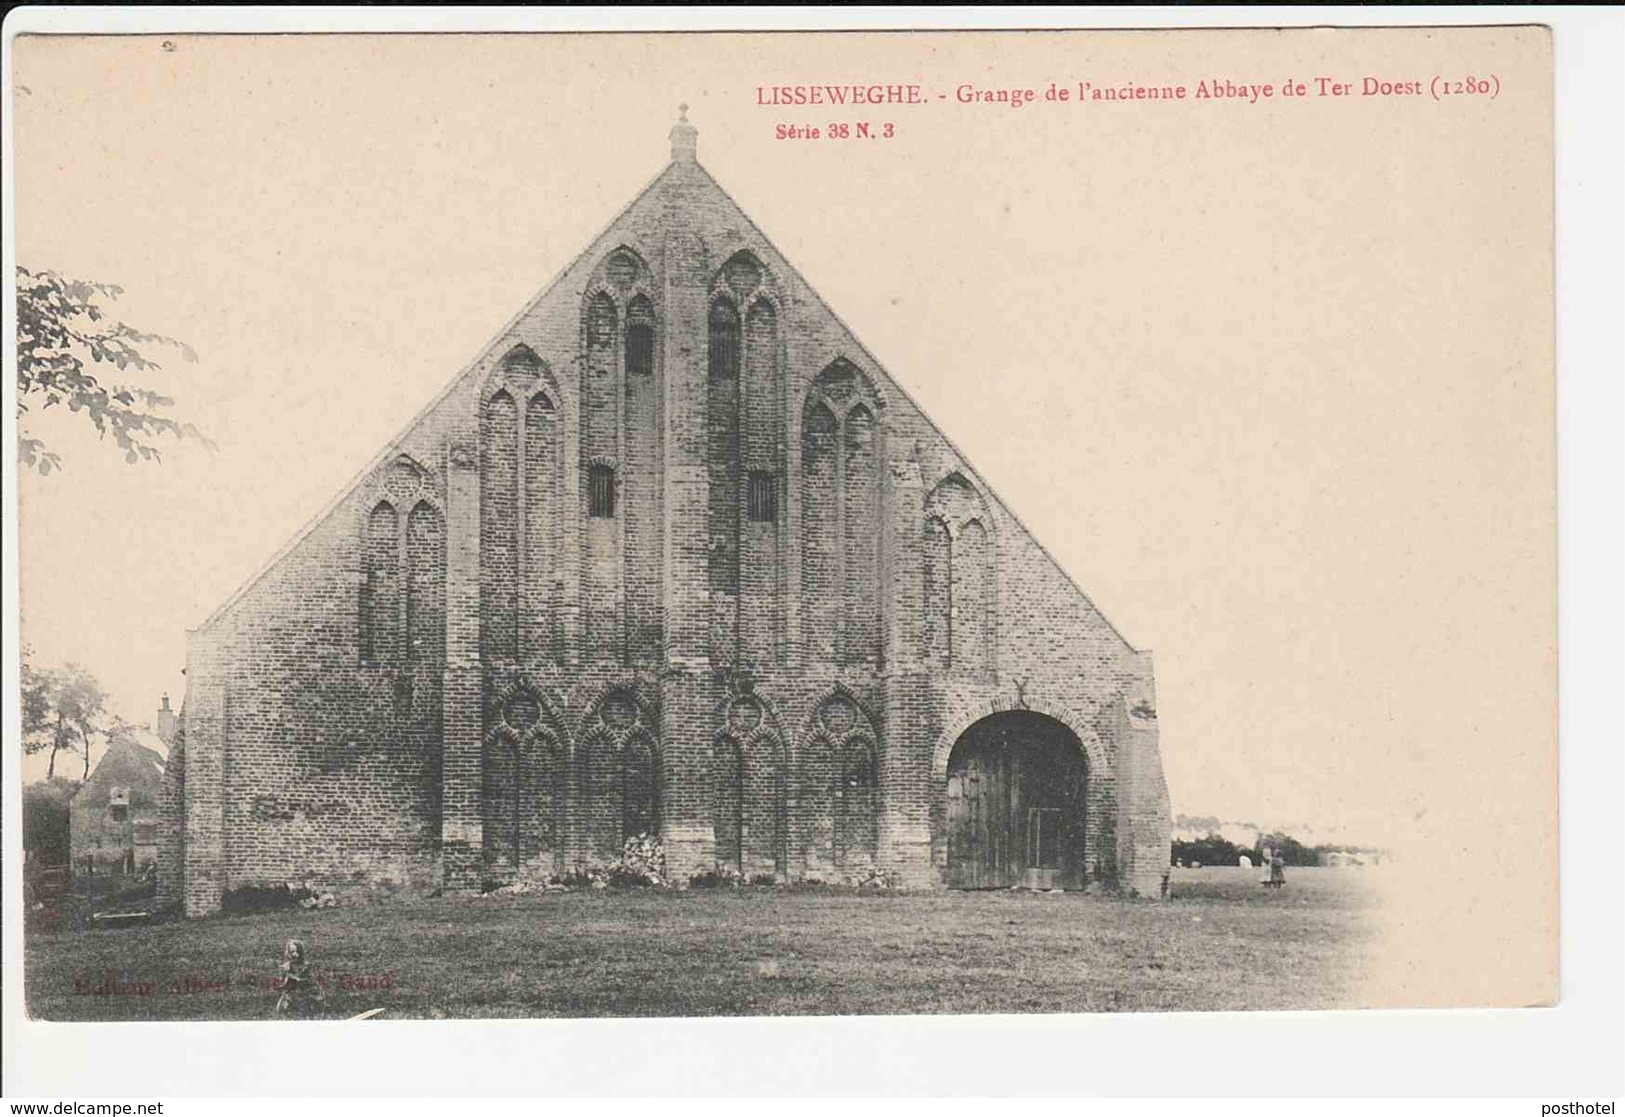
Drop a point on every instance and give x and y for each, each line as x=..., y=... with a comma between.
x=1017, y=795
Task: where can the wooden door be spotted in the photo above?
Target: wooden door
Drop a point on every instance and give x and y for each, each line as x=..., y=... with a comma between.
x=1051, y=792
x=980, y=799
x=1044, y=847
x=1016, y=806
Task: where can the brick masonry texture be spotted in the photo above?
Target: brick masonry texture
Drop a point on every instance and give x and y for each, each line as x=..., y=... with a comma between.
x=117, y=815
x=672, y=555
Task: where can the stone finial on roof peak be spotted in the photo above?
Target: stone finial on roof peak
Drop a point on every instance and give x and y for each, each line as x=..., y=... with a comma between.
x=684, y=138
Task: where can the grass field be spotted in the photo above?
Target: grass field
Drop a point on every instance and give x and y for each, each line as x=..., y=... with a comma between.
x=1220, y=942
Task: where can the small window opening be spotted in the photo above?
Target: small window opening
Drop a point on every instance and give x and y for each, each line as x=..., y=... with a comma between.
x=763, y=498
x=640, y=349
x=723, y=347
x=601, y=492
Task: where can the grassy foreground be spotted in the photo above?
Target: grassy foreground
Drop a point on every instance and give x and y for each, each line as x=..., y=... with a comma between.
x=1221, y=942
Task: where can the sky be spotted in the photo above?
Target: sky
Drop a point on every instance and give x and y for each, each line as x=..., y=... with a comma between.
x=1272, y=383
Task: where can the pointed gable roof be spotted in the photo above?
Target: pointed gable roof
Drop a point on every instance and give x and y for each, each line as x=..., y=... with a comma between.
x=595, y=248
x=683, y=167
x=133, y=759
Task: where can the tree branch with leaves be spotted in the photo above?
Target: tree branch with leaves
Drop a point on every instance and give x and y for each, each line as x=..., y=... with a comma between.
x=59, y=704
x=63, y=335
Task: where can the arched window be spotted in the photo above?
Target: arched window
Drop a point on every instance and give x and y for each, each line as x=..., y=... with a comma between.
x=639, y=489
x=856, y=828
x=761, y=460
x=973, y=606
x=598, y=411
x=380, y=591
x=762, y=389
x=722, y=454
x=840, y=513
x=938, y=586
x=402, y=551
x=722, y=347
x=522, y=786
x=860, y=600
x=601, y=322
x=521, y=480
x=522, y=360
x=818, y=428
x=961, y=579
x=623, y=268
x=640, y=338
x=641, y=783
x=727, y=776
x=820, y=519
x=751, y=790
x=839, y=798
x=426, y=588
x=618, y=771
x=543, y=448
x=600, y=616
x=745, y=449
x=499, y=527
x=742, y=273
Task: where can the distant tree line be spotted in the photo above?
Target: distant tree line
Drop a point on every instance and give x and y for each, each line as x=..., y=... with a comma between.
x=1214, y=850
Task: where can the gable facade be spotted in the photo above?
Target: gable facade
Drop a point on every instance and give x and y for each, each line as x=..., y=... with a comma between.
x=672, y=556
x=115, y=818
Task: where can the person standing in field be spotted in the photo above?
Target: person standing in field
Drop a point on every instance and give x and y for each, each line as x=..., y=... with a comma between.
x=1277, y=870
x=300, y=986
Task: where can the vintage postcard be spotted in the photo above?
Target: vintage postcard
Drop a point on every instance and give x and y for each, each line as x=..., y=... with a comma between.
x=780, y=524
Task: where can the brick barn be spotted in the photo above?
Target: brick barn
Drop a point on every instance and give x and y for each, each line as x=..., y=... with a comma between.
x=673, y=555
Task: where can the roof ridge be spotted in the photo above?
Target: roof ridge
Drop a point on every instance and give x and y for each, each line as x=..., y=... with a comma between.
x=470, y=368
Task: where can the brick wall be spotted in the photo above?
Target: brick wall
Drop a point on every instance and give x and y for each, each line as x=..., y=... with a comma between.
x=171, y=821
x=497, y=685
x=103, y=835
